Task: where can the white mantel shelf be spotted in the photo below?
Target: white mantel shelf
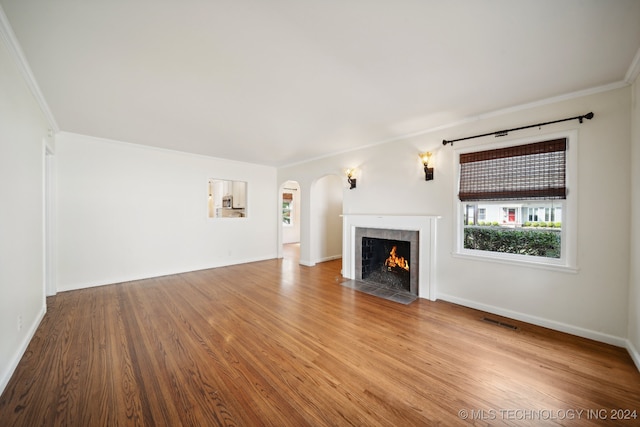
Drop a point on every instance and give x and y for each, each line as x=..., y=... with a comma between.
x=425, y=225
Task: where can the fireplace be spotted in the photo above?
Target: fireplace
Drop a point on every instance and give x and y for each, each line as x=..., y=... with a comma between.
x=389, y=258
x=386, y=262
x=418, y=230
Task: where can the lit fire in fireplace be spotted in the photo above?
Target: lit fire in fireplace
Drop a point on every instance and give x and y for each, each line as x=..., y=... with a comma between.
x=396, y=261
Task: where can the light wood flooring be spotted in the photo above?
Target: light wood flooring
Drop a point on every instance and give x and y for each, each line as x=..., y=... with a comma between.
x=277, y=344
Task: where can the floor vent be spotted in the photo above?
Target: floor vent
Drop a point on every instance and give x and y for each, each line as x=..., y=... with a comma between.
x=499, y=323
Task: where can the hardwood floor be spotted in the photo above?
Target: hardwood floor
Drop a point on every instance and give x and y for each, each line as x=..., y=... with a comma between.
x=274, y=343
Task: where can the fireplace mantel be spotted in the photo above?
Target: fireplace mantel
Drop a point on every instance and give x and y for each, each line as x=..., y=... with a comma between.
x=425, y=225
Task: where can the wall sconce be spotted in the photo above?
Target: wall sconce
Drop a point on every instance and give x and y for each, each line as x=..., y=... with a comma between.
x=351, y=178
x=428, y=172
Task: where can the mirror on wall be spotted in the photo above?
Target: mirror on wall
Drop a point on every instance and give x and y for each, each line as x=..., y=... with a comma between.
x=227, y=199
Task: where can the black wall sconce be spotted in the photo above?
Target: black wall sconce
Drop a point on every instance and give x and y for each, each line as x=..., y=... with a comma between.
x=351, y=178
x=428, y=172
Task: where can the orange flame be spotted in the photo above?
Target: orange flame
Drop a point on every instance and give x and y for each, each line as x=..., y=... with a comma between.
x=396, y=261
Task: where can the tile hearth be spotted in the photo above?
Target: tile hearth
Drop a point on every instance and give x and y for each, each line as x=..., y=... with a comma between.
x=395, y=295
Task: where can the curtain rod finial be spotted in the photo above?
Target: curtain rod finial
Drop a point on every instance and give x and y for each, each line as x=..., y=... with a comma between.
x=589, y=116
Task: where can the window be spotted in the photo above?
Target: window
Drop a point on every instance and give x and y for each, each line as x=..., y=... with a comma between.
x=287, y=208
x=513, y=203
x=549, y=213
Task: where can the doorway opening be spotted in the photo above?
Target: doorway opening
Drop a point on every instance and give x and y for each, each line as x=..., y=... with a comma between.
x=290, y=220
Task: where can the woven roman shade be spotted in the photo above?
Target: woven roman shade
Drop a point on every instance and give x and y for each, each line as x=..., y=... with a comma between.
x=287, y=197
x=523, y=172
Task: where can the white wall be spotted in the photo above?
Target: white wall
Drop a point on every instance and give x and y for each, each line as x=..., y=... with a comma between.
x=127, y=211
x=634, y=292
x=22, y=297
x=326, y=223
x=591, y=303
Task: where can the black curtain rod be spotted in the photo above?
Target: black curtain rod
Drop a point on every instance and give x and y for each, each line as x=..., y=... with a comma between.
x=588, y=116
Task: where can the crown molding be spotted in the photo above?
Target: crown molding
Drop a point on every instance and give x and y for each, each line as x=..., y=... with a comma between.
x=634, y=69
x=9, y=38
x=471, y=119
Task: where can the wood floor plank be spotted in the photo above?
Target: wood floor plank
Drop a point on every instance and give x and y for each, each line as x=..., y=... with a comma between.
x=279, y=344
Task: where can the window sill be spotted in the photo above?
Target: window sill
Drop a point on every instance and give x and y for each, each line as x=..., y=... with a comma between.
x=516, y=262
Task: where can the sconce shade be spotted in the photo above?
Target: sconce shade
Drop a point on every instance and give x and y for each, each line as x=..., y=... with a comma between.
x=425, y=157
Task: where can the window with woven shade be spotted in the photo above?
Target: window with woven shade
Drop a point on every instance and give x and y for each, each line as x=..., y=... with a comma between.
x=513, y=202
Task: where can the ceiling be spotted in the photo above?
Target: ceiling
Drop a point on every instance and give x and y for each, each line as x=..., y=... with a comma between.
x=277, y=82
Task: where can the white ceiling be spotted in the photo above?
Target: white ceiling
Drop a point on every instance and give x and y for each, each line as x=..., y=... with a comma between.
x=277, y=82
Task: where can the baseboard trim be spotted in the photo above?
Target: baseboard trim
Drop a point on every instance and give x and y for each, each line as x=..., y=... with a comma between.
x=330, y=258
x=133, y=278
x=540, y=321
x=633, y=352
x=308, y=263
x=8, y=372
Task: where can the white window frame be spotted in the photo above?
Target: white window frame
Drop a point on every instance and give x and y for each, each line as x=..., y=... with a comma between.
x=569, y=242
